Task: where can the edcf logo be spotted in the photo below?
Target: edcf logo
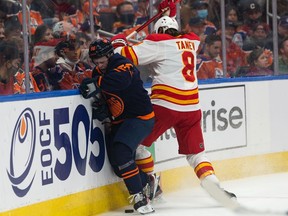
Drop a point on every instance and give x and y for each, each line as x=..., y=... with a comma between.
x=22, y=153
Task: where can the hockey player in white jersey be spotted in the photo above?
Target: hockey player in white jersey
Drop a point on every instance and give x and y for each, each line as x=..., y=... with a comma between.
x=175, y=98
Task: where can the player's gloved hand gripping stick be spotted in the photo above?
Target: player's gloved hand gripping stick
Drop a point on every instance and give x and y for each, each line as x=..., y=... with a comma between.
x=167, y=6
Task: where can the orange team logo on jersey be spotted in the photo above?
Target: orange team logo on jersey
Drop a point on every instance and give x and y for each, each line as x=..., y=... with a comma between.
x=115, y=104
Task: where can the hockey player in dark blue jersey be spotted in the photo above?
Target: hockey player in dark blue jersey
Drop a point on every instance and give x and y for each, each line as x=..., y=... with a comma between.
x=131, y=114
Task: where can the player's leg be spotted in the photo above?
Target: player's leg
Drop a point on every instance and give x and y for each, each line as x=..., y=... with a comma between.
x=144, y=158
x=122, y=158
x=191, y=144
x=162, y=123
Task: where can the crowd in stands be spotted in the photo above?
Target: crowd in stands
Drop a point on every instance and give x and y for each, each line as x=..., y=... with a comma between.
x=59, y=35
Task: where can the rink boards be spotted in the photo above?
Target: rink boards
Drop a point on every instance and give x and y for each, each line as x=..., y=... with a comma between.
x=54, y=161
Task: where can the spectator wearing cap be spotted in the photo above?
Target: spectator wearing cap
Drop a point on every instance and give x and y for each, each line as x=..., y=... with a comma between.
x=252, y=16
x=12, y=77
x=69, y=71
x=200, y=9
x=196, y=25
x=283, y=56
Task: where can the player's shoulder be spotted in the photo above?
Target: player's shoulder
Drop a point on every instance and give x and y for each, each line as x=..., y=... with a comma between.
x=190, y=36
x=159, y=37
x=166, y=37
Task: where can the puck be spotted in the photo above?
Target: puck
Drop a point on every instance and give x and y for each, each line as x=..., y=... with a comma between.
x=129, y=210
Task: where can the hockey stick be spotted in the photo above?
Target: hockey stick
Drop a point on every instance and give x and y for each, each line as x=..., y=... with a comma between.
x=109, y=34
x=232, y=204
x=144, y=25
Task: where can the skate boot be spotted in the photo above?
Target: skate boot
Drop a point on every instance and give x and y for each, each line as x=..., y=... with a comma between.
x=141, y=203
x=152, y=189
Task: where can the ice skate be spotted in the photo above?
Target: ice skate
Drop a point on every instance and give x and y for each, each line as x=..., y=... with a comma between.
x=141, y=203
x=153, y=189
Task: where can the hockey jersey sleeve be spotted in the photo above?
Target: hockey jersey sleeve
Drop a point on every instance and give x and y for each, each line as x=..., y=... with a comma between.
x=117, y=79
x=148, y=50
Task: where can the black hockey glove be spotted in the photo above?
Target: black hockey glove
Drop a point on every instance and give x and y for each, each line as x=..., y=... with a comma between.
x=88, y=88
x=100, y=109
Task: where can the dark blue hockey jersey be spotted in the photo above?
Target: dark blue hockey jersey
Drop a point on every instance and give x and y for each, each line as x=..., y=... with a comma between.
x=123, y=90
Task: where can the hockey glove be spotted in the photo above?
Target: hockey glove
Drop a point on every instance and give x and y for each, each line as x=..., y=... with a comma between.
x=168, y=4
x=119, y=40
x=88, y=88
x=100, y=109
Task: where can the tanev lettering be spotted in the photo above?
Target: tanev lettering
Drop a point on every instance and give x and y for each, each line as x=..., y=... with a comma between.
x=185, y=45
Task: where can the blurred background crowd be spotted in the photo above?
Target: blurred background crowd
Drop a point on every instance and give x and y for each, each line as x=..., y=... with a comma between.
x=239, y=38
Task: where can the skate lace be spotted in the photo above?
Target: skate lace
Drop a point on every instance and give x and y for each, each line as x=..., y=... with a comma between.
x=134, y=198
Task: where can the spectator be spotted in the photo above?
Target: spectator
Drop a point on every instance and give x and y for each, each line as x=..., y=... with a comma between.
x=197, y=26
x=200, y=8
x=283, y=56
x=233, y=51
x=126, y=16
x=43, y=34
x=259, y=61
x=142, y=14
x=214, y=13
x=12, y=77
x=231, y=67
x=69, y=71
x=252, y=16
x=231, y=13
x=35, y=18
x=126, y=24
x=209, y=64
x=43, y=60
x=82, y=45
x=283, y=27
x=260, y=36
x=13, y=27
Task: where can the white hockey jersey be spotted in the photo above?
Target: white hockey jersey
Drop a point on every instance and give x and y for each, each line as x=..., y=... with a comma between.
x=173, y=62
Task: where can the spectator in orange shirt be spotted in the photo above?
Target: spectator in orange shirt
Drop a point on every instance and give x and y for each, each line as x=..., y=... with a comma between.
x=35, y=18
x=12, y=77
x=209, y=64
x=69, y=71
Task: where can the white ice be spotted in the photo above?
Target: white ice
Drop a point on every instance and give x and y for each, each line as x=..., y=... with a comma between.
x=264, y=195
